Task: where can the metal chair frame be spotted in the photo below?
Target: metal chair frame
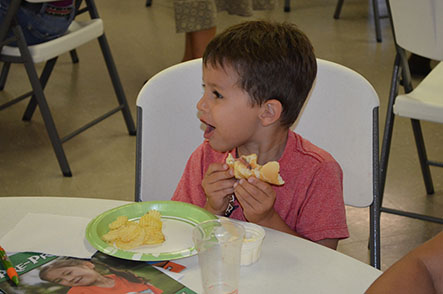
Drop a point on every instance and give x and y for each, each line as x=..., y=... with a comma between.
x=38, y=84
x=402, y=73
x=377, y=16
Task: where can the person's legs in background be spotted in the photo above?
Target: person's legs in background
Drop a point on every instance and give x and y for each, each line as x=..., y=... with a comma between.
x=41, y=22
x=197, y=19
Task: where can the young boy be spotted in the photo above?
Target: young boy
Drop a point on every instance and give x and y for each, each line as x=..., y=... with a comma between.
x=256, y=78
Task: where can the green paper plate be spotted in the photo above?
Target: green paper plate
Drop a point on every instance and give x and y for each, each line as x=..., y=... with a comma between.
x=178, y=219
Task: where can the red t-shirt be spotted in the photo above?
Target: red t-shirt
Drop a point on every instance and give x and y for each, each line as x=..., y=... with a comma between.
x=311, y=200
x=122, y=286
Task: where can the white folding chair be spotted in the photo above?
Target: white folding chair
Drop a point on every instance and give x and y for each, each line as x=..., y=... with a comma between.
x=168, y=131
x=79, y=33
x=417, y=28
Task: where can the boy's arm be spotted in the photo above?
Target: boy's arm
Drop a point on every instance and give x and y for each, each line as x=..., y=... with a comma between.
x=257, y=199
x=418, y=272
x=277, y=223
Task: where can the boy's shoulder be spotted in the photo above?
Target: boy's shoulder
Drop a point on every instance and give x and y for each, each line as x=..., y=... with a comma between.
x=303, y=161
x=300, y=148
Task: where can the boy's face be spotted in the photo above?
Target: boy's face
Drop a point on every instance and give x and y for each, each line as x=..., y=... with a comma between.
x=71, y=276
x=225, y=108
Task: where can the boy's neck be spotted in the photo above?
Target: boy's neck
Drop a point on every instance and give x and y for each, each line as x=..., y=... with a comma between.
x=270, y=147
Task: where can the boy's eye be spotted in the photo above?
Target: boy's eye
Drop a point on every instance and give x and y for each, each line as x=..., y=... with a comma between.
x=217, y=94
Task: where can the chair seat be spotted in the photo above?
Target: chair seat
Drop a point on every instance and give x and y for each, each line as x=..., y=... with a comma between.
x=79, y=33
x=425, y=102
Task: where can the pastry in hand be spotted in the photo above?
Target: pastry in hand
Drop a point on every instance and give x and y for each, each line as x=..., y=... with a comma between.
x=247, y=166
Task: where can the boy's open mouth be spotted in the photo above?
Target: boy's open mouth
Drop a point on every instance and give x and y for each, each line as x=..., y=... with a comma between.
x=208, y=131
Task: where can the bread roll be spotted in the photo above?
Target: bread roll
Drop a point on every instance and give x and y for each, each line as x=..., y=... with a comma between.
x=247, y=166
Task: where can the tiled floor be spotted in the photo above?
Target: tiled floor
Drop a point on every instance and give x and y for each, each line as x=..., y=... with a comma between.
x=143, y=42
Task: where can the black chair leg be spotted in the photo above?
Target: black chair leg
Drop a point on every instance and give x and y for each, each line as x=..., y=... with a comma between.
x=4, y=74
x=374, y=210
x=118, y=88
x=50, y=127
x=421, y=150
x=287, y=7
x=74, y=56
x=338, y=9
x=43, y=105
x=376, y=10
x=389, y=126
x=44, y=77
x=148, y=3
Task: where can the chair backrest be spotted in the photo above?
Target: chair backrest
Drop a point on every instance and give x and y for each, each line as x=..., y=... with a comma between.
x=339, y=117
x=168, y=129
x=418, y=26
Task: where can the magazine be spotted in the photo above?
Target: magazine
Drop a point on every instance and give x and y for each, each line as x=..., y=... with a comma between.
x=44, y=273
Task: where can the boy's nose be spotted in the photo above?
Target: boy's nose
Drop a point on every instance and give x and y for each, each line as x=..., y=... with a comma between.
x=201, y=104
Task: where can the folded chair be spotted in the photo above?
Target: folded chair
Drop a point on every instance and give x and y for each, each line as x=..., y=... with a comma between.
x=417, y=28
x=376, y=11
x=168, y=130
x=79, y=33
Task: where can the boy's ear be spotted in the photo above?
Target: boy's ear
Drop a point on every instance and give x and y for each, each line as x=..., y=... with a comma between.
x=271, y=112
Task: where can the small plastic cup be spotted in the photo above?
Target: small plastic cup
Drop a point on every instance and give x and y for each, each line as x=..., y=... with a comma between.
x=252, y=243
x=218, y=243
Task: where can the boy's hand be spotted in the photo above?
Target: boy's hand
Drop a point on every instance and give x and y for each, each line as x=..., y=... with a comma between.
x=257, y=200
x=218, y=184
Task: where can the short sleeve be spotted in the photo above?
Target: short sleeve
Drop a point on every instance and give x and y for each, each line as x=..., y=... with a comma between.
x=322, y=214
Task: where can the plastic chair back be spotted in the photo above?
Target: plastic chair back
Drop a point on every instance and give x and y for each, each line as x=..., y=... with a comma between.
x=418, y=26
x=339, y=117
x=168, y=129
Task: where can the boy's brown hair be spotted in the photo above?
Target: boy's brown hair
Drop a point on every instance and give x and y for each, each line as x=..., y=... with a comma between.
x=273, y=61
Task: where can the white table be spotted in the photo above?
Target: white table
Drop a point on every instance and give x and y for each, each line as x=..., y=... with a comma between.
x=288, y=264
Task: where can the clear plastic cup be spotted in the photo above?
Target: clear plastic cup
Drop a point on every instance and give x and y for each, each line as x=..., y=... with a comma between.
x=218, y=243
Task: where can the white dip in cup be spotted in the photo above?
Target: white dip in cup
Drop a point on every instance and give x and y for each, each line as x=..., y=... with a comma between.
x=252, y=243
